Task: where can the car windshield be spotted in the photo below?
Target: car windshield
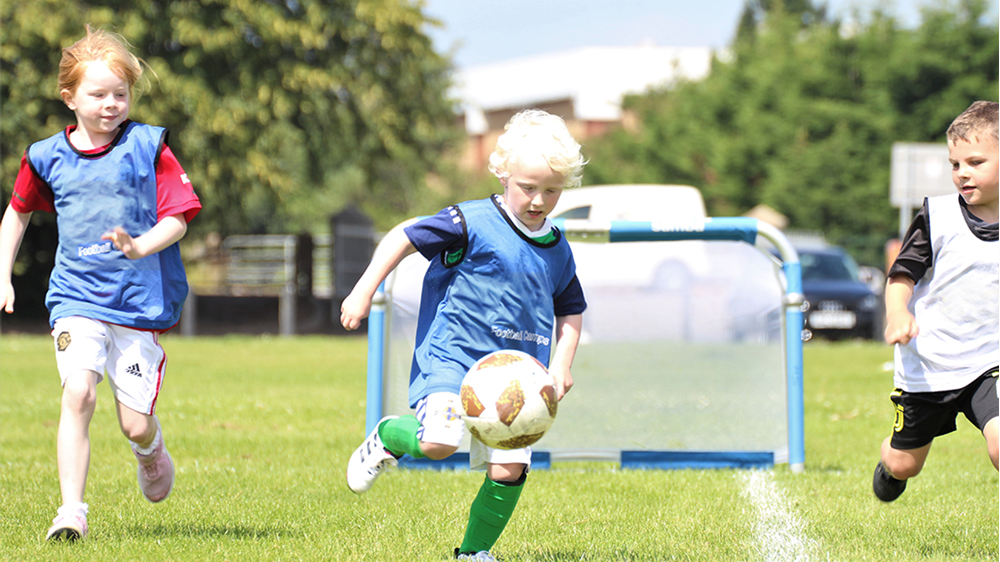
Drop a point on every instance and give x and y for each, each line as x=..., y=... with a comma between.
x=828, y=267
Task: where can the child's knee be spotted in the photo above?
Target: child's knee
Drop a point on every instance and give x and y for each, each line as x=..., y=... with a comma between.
x=903, y=466
x=991, y=431
x=80, y=391
x=137, y=432
x=992, y=434
x=512, y=472
x=137, y=428
x=437, y=451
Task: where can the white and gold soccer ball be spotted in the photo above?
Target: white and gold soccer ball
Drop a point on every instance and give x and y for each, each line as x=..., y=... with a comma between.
x=509, y=400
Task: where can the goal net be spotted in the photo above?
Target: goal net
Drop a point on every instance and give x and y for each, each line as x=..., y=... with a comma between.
x=690, y=354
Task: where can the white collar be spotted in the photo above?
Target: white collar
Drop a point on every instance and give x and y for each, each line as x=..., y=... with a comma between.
x=543, y=231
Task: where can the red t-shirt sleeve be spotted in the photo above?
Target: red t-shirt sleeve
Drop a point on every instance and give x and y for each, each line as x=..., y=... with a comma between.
x=174, y=192
x=30, y=192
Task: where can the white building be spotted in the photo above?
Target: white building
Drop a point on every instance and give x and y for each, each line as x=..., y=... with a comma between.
x=584, y=86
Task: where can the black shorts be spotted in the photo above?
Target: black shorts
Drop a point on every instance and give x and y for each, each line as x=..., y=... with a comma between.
x=922, y=416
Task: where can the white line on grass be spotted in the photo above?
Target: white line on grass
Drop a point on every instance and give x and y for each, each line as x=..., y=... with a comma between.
x=779, y=534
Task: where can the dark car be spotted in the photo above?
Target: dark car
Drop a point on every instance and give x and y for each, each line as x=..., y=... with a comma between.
x=837, y=303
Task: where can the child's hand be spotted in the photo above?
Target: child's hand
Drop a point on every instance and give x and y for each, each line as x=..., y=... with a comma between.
x=900, y=328
x=353, y=310
x=124, y=242
x=7, y=298
x=564, y=379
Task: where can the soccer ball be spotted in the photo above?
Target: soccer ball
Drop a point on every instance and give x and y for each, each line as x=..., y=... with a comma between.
x=509, y=400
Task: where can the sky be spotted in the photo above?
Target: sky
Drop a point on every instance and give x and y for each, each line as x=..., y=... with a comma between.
x=478, y=32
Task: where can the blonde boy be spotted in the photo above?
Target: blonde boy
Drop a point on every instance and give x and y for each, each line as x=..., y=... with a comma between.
x=498, y=266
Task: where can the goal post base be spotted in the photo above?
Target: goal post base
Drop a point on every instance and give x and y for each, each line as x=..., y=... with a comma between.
x=659, y=460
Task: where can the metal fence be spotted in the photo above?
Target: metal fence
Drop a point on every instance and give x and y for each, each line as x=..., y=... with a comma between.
x=264, y=265
x=300, y=270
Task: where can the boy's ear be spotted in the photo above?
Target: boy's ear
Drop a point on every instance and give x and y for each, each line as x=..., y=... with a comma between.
x=67, y=98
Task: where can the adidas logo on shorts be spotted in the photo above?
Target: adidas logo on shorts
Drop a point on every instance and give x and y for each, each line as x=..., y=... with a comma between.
x=134, y=370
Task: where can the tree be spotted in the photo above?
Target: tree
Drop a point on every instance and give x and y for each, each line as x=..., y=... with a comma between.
x=755, y=14
x=802, y=117
x=280, y=111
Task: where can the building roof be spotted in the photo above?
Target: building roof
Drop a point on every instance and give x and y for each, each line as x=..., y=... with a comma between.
x=594, y=78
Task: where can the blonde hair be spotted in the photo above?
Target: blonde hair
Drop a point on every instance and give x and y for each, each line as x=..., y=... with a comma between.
x=99, y=45
x=547, y=135
x=979, y=119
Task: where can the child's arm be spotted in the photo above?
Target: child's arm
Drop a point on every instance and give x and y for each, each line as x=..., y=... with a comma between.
x=391, y=250
x=11, y=232
x=567, y=337
x=163, y=235
x=900, y=325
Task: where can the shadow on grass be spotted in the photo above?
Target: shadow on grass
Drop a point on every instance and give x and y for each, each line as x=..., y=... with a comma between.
x=969, y=552
x=576, y=556
x=210, y=531
x=829, y=469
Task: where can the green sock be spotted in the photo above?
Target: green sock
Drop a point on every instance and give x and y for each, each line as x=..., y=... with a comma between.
x=400, y=436
x=489, y=514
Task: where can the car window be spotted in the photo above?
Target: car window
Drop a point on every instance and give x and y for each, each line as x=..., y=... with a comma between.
x=575, y=213
x=827, y=267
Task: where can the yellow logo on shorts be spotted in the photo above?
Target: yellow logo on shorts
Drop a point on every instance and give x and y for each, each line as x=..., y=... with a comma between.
x=63, y=341
x=451, y=414
x=898, y=425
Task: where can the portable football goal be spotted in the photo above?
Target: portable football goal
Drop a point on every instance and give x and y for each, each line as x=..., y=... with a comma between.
x=690, y=354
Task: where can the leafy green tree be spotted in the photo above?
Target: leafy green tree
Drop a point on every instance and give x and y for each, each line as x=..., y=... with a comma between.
x=755, y=14
x=802, y=117
x=281, y=112
x=938, y=70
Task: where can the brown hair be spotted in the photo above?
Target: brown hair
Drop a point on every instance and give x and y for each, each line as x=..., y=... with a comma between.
x=110, y=48
x=979, y=119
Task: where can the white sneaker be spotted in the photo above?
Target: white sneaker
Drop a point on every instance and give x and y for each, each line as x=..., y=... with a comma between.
x=69, y=525
x=369, y=461
x=481, y=556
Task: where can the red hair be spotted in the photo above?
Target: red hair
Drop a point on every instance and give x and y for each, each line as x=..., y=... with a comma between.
x=110, y=48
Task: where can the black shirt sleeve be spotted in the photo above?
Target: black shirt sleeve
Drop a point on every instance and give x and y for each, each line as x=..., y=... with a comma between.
x=916, y=255
x=571, y=300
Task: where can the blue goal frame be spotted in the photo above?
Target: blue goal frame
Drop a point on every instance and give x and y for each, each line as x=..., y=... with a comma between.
x=739, y=229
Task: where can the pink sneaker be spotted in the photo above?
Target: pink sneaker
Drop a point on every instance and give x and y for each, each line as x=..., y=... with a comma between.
x=156, y=473
x=68, y=527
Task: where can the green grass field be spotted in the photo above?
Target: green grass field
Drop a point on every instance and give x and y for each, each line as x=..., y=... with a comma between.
x=261, y=428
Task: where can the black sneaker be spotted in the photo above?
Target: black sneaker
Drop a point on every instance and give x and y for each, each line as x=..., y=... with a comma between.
x=886, y=487
x=481, y=556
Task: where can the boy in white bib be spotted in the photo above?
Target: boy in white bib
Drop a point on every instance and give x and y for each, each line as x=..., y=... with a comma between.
x=942, y=309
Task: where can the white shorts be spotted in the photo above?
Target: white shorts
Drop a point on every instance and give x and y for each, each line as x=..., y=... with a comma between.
x=440, y=415
x=133, y=359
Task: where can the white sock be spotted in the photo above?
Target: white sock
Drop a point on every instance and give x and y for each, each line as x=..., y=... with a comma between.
x=152, y=446
x=74, y=507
